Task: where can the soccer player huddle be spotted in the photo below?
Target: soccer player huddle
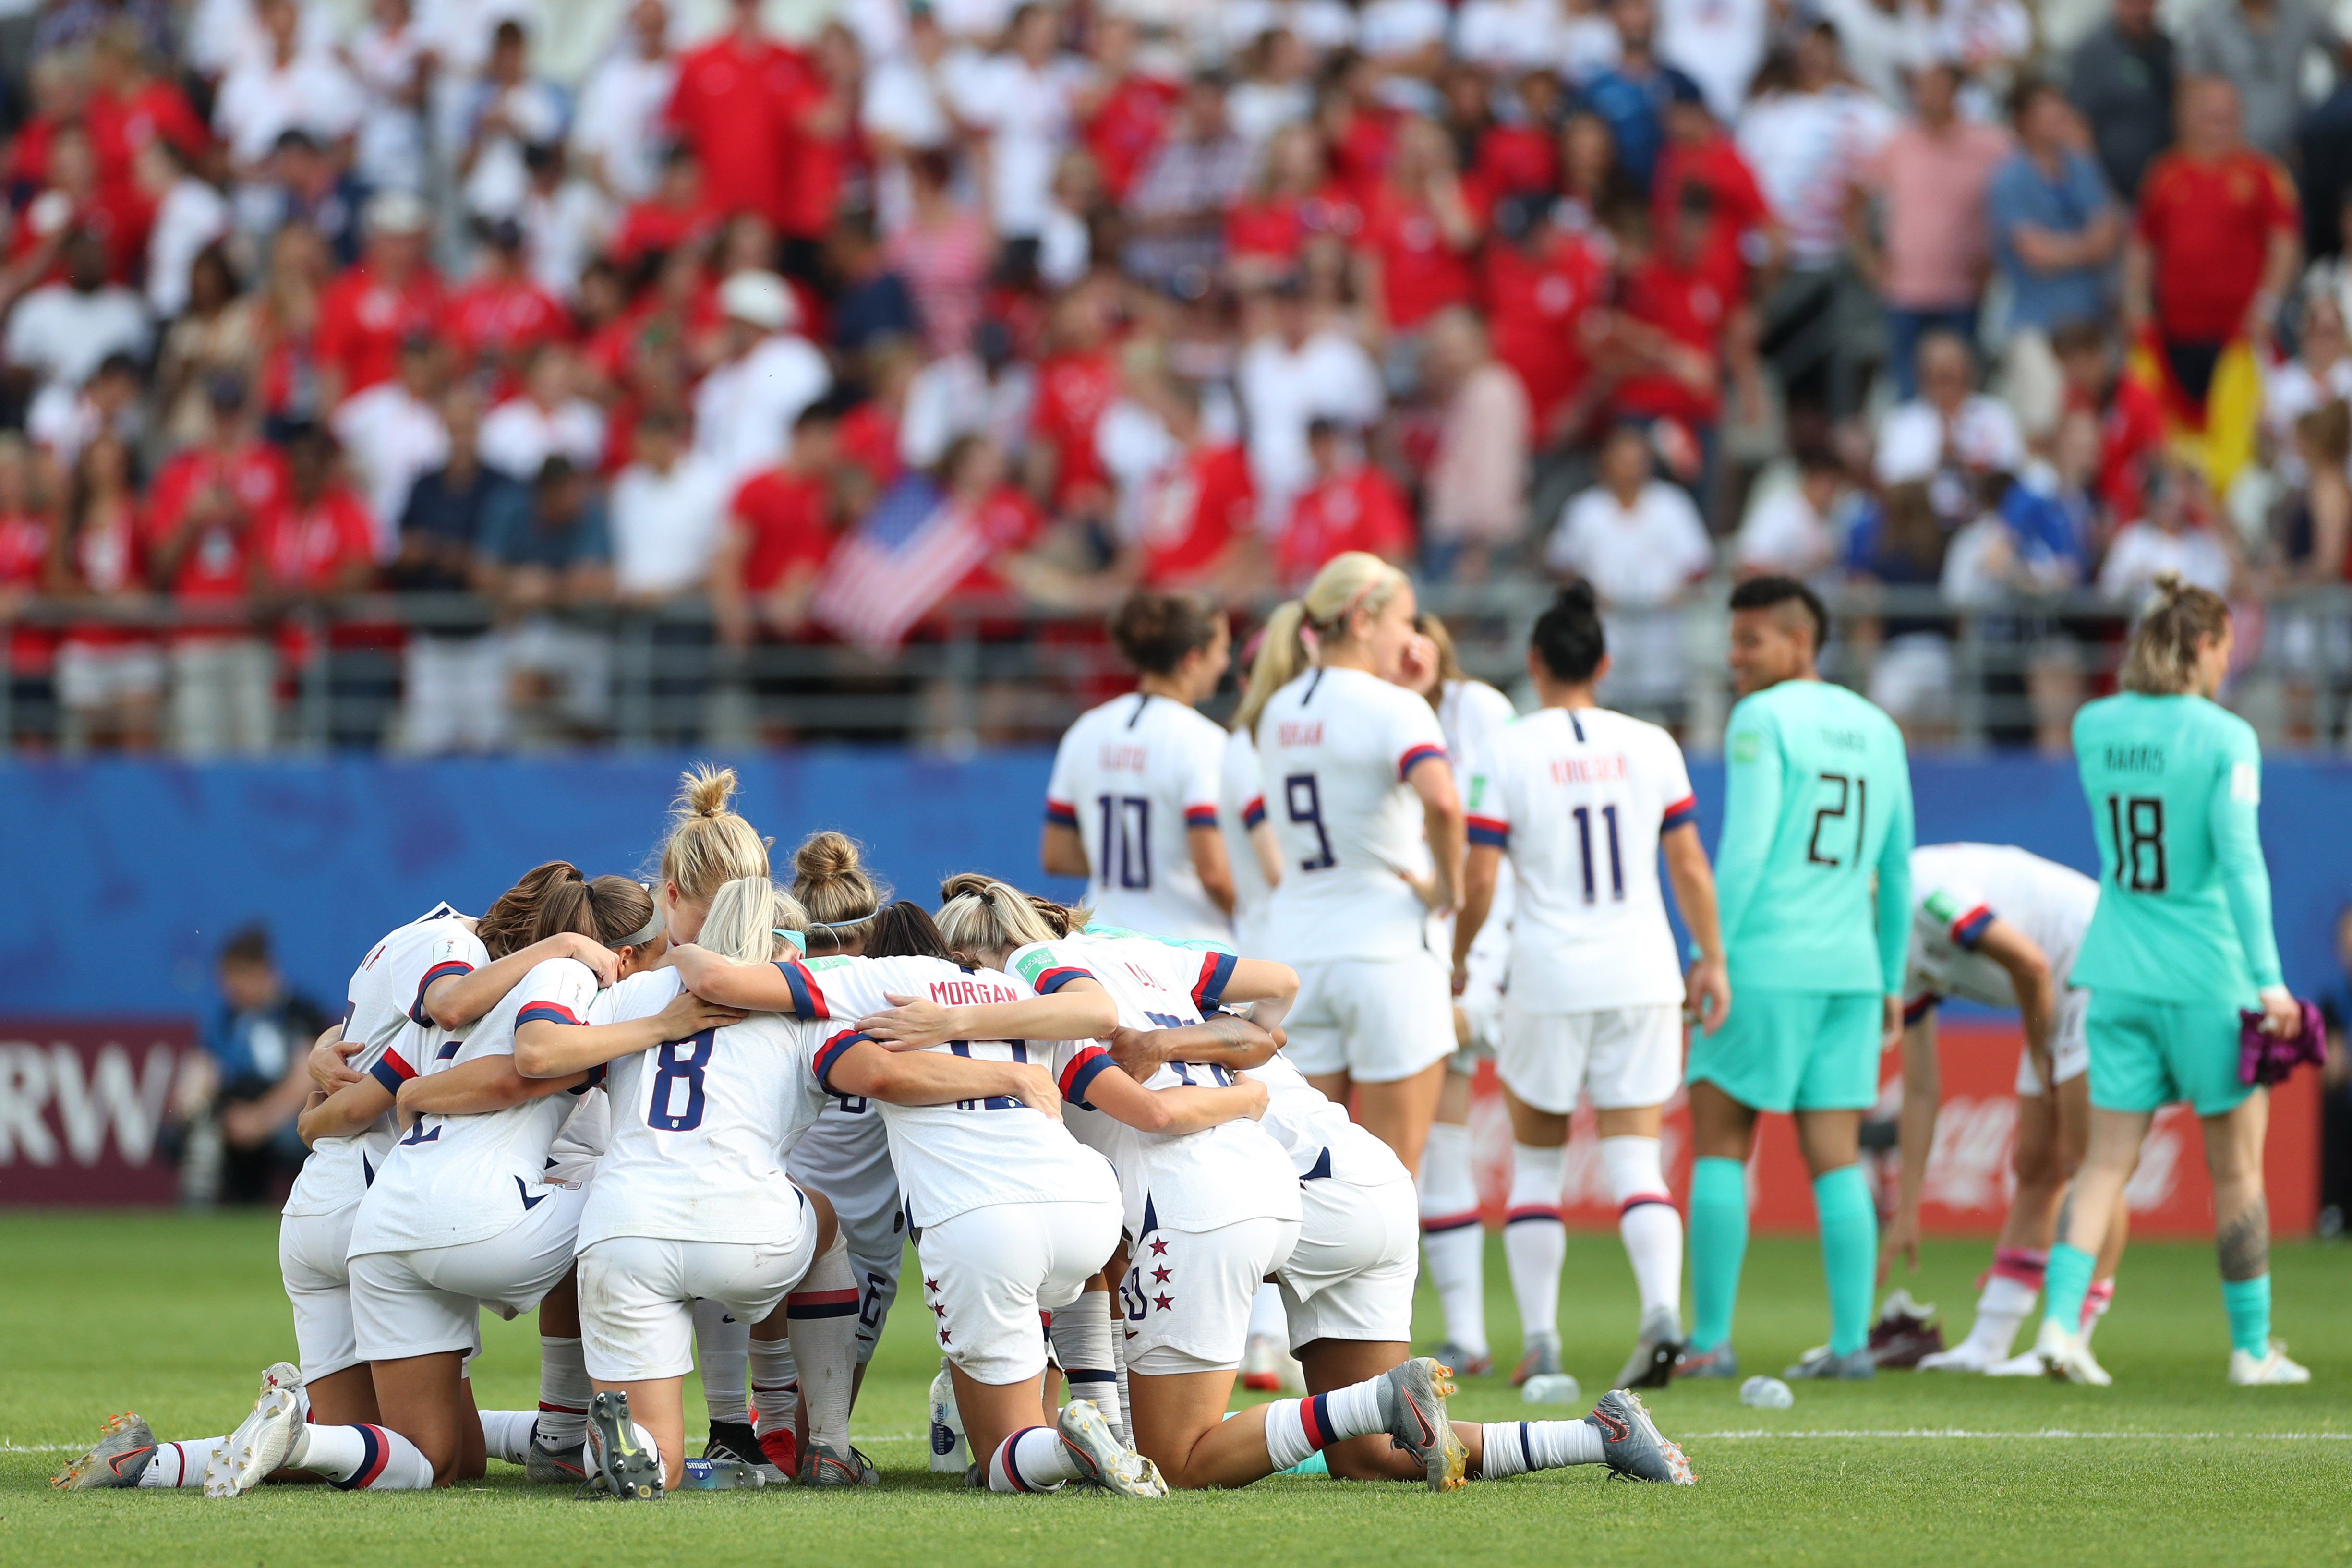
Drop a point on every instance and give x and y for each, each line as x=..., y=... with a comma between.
x=695, y=1119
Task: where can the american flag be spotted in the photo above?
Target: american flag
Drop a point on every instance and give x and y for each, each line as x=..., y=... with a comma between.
x=908, y=554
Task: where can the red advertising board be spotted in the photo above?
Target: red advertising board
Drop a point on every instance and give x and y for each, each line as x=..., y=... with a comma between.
x=1969, y=1177
x=82, y=1104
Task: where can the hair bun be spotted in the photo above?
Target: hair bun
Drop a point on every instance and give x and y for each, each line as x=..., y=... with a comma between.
x=705, y=790
x=823, y=857
x=2169, y=584
x=1576, y=595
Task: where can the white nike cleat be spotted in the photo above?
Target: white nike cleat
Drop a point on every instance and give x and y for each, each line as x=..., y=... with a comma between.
x=2026, y=1365
x=1102, y=1459
x=2066, y=1357
x=2247, y=1371
x=264, y=1439
x=1966, y=1356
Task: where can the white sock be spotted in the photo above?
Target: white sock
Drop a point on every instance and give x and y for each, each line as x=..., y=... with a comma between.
x=822, y=1315
x=2000, y=1312
x=1298, y=1427
x=1647, y=1220
x=1515, y=1448
x=506, y=1434
x=1082, y=1333
x=722, y=1349
x=564, y=1391
x=1451, y=1236
x=1124, y=1423
x=1535, y=1242
x=775, y=1387
x=179, y=1464
x=1268, y=1317
x=361, y=1459
x=1031, y=1461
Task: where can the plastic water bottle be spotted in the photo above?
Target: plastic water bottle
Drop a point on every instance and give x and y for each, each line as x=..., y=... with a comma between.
x=1766, y=1393
x=947, y=1424
x=721, y=1476
x=1551, y=1388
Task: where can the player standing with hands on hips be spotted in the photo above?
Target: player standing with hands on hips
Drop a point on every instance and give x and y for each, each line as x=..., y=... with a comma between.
x=1813, y=879
x=2180, y=942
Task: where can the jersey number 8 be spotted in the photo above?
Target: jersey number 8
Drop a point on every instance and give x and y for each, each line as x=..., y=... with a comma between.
x=680, y=1061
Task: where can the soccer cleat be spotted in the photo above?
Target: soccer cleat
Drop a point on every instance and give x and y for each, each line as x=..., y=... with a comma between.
x=782, y=1451
x=1463, y=1362
x=1419, y=1426
x=1632, y=1445
x=1262, y=1363
x=725, y=1473
x=620, y=1467
x=2026, y=1365
x=2249, y=1371
x=736, y=1440
x=821, y=1466
x=1101, y=1457
x=545, y=1467
x=1540, y=1359
x=1855, y=1366
x=1721, y=1362
x=1966, y=1356
x=118, y=1459
x=1905, y=1332
x=1652, y=1364
x=2066, y=1357
x=868, y=1475
x=263, y=1439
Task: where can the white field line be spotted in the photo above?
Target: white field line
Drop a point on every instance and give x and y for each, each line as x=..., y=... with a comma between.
x=72, y=1448
x=2046, y=1434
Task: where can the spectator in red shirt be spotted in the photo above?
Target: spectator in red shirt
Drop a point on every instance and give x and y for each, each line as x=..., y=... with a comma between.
x=392, y=294
x=1675, y=321
x=1699, y=152
x=1420, y=231
x=24, y=533
x=2130, y=417
x=1294, y=200
x=1517, y=157
x=738, y=103
x=824, y=111
x=1193, y=521
x=76, y=201
x=1123, y=115
x=1076, y=381
x=314, y=540
x=130, y=105
x=1547, y=307
x=1351, y=505
x=677, y=213
x=109, y=676
x=780, y=529
x=501, y=315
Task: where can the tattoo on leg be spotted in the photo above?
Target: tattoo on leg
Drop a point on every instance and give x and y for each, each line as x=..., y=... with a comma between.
x=2244, y=1242
x=2065, y=1231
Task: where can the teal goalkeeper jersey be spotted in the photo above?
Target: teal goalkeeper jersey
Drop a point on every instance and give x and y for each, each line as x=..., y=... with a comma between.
x=1813, y=870
x=2184, y=914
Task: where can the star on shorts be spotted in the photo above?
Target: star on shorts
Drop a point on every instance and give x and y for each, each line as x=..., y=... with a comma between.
x=1163, y=1302
x=1159, y=1249
x=1160, y=1277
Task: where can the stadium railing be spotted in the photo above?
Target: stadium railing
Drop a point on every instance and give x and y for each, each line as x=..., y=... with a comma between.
x=1966, y=677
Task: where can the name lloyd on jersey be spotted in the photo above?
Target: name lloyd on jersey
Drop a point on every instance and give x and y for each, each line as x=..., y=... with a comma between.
x=1124, y=758
x=1303, y=733
x=969, y=993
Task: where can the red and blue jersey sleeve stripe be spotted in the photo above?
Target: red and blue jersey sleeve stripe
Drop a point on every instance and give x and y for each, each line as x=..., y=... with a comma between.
x=830, y=1054
x=1216, y=973
x=1199, y=816
x=595, y=1075
x=1052, y=980
x=1255, y=812
x=1084, y=1068
x=1970, y=929
x=1490, y=830
x=808, y=1002
x=441, y=971
x=1062, y=812
x=392, y=1070
x=1684, y=810
x=548, y=1012
x=1417, y=755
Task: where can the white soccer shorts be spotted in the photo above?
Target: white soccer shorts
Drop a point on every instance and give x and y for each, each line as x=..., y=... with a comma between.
x=637, y=1295
x=425, y=1302
x=1377, y=1020
x=1621, y=1057
x=1351, y=1275
x=989, y=1272
x=312, y=1249
x=1186, y=1298
x=2069, y=1044
x=846, y=1156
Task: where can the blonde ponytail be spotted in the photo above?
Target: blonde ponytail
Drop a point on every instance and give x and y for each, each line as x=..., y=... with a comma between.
x=708, y=846
x=1280, y=657
x=2175, y=624
x=981, y=915
x=746, y=915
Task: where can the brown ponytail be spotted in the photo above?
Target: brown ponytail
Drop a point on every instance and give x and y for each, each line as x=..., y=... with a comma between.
x=2176, y=622
x=548, y=900
x=621, y=909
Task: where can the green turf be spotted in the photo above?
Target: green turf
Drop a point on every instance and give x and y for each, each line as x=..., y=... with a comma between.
x=175, y=1316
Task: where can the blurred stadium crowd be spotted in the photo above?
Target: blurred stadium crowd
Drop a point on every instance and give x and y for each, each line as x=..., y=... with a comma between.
x=832, y=372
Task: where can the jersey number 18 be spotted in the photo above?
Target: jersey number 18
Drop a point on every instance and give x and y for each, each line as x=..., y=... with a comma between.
x=2136, y=822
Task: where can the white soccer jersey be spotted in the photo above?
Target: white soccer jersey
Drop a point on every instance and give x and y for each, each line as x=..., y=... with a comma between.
x=1241, y=806
x=458, y=1179
x=1188, y=1180
x=1472, y=713
x=1316, y=1131
x=383, y=1014
x=1577, y=801
x=1958, y=890
x=701, y=1126
x=1132, y=777
x=1335, y=747
x=973, y=1153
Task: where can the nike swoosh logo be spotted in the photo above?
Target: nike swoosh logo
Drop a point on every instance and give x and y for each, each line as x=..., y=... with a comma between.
x=529, y=1202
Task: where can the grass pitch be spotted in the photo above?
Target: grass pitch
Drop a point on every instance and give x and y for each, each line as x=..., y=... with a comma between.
x=175, y=1316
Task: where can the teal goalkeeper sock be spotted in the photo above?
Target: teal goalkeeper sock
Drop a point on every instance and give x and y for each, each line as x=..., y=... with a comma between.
x=2065, y=1279
x=1719, y=1246
x=2249, y=1305
x=1848, y=1225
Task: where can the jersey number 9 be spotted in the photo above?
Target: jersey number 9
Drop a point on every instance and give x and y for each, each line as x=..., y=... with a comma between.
x=1303, y=800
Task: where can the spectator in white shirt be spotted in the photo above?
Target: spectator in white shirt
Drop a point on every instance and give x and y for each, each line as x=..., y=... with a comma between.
x=618, y=136
x=62, y=332
x=550, y=419
x=189, y=216
x=1717, y=43
x=1790, y=529
x=394, y=435
x=1950, y=432
x=511, y=111
x=667, y=512
x=390, y=58
x=744, y=409
x=284, y=88
x=1640, y=542
x=1506, y=36
x=1021, y=98
x=2173, y=536
x=984, y=391
x=1290, y=377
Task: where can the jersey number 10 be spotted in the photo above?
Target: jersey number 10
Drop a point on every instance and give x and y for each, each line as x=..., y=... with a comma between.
x=1130, y=851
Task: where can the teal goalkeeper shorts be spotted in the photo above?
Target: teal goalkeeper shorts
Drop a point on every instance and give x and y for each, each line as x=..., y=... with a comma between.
x=2147, y=1053
x=1794, y=1050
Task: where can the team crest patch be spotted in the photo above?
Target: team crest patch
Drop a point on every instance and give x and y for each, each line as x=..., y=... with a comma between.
x=832, y=962
x=1943, y=907
x=1478, y=790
